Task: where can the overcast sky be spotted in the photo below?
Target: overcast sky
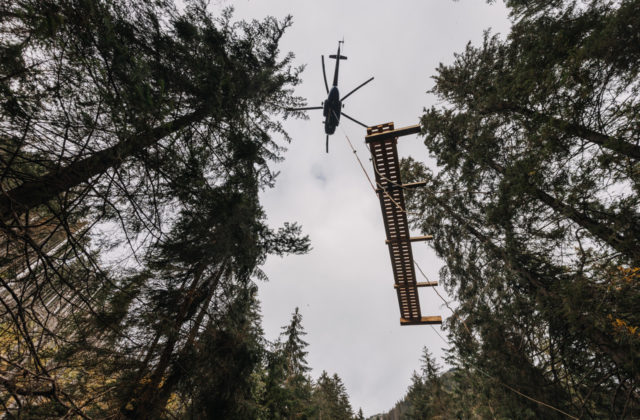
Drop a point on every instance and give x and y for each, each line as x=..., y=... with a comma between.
x=344, y=286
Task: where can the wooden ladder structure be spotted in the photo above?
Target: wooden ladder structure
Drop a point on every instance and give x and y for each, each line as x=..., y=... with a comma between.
x=382, y=140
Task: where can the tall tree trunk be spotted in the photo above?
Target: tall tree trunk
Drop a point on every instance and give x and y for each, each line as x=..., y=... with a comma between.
x=625, y=245
x=609, y=142
x=158, y=399
x=146, y=400
x=39, y=191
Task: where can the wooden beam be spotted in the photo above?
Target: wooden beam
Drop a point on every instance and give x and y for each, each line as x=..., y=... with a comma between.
x=411, y=239
x=404, y=131
x=425, y=320
x=379, y=128
x=403, y=186
x=418, y=284
x=415, y=184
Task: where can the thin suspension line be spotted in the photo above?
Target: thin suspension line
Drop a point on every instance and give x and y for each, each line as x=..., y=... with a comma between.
x=355, y=152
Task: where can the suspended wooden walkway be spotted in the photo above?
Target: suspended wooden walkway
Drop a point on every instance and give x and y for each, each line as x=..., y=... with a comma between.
x=382, y=140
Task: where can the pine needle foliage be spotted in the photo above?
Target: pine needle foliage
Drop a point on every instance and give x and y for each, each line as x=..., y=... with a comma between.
x=534, y=208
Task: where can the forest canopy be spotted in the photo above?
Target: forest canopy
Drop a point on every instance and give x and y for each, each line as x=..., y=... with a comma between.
x=534, y=208
x=134, y=140
x=137, y=136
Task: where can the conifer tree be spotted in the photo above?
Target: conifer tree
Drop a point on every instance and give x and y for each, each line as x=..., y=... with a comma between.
x=288, y=387
x=330, y=398
x=425, y=392
x=159, y=123
x=534, y=208
x=141, y=82
x=227, y=363
x=148, y=103
x=293, y=345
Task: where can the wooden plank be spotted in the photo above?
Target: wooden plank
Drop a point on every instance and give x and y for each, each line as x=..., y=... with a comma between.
x=382, y=141
x=386, y=162
x=418, y=284
x=404, y=131
x=403, y=186
x=415, y=184
x=411, y=239
x=374, y=149
x=425, y=320
x=379, y=128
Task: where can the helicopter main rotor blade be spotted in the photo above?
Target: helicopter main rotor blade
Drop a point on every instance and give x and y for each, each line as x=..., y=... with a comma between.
x=348, y=94
x=354, y=120
x=324, y=75
x=306, y=108
x=327, y=143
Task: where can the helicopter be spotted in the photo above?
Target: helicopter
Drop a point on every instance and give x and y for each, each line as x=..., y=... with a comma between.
x=332, y=106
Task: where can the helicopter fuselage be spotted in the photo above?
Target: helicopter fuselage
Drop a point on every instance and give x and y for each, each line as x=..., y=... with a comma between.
x=331, y=110
x=332, y=106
